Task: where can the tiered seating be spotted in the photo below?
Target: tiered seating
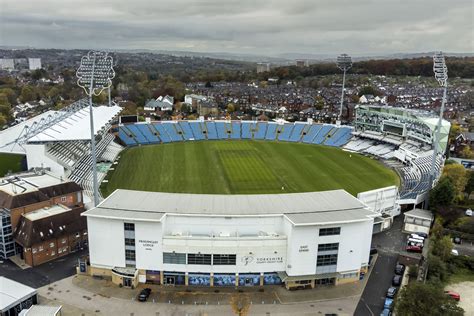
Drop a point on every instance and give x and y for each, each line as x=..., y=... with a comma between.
x=127, y=136
x=261, y=130
x=314, y=130
x=68, y=153
x=235, y=130
x=286, y=132
x=221, y=130
x=321, y=136
x=247, y=130
x=297, y=132
x=197, y=131
x=211, y=130
x=141, y=139
x=152, y=137
x=186, y=130
x=171, y=130
x=162, y=133
x=271, y=131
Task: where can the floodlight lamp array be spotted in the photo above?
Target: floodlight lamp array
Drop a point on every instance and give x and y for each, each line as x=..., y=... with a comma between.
x=440, y=69
x=344, y=62
x=95, y=72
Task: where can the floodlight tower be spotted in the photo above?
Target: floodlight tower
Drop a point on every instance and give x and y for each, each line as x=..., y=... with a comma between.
x=441, y=74
x=94, y=75
x=344, y=62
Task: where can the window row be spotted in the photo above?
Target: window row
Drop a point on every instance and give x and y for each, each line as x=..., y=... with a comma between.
x=328, y=247
x=129, y=255
x=197, y=258
x=329, y=231
x=326, y=260
x=129, y=242
x=129, y=226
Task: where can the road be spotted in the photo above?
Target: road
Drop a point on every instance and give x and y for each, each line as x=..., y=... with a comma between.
x=44, y=274
x=388, y=244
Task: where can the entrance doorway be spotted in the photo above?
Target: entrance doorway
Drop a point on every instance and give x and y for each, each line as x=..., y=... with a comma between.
x=127, y=282
x=169, y=280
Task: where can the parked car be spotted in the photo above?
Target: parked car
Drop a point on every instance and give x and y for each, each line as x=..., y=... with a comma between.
x=144, y=294
x=424, y=235
x=373, y=251
x=457, y=240
x=453, y=294
x=388, y=303
x=469, y=212
x=397, y=280
x=414, y=249
x=454, y=252
x=399, y=269
x=386, y=312
x=391, y=292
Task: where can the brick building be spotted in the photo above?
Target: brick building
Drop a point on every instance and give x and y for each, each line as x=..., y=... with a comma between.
x=28, y=192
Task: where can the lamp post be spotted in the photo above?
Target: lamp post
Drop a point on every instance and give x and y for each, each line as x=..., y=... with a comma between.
x=441, y=74
x=344, y=62
x=94, y=75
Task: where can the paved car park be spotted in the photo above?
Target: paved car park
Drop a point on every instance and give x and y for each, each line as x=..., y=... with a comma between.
x=44, y=274
x=388, y=244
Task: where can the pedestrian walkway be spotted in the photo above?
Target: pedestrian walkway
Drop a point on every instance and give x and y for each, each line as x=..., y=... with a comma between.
x=19, y=262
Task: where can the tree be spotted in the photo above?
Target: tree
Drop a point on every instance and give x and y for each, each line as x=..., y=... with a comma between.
x=3, y=120
x=368, y=90
x=27, y=94
x=453, y=132
x=467, y=152
x=319, y=102
x=470, y=183
x=418, y=299
x=457, y=174
x=230, y=107
x=442, y=247
x=4, y=99
x=442, y=194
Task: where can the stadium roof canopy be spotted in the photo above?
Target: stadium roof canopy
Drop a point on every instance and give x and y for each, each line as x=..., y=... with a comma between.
x=300, y=208
x=77, y=126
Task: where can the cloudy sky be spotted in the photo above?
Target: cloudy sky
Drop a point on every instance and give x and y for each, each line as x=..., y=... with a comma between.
x=242, y=26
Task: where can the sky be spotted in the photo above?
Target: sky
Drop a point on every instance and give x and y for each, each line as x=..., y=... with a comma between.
x=244, y=26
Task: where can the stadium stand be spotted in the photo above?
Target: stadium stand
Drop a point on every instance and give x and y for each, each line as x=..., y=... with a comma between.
x=247, y=130
x=271, y=131
x=261, y=130
x=286, y=132
x=297, y=132
x=210, y=127
x=196, y=130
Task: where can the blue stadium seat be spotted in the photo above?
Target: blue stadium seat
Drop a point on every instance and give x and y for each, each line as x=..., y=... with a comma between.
x=313, y=131
x=246, y=130
x=211, y=130
x=196, y=129
x=296, y=134
x=271, y=131
x=165, y=138
x=150, y=136
x=185, y=130
x=126, y=136
x=171, y=130
x=221, y=130
x=141, y=139
x=286, y=132
x=235, y=130
x=321, y=136
x=261, y=130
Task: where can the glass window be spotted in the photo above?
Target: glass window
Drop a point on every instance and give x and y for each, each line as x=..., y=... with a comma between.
x=197, y=258
x=330, y=231
x=7, y=230
x=129, y=226
x=129, y=242
x=129, y=255
x=327, y=260
x=174, y=258
x=328, y=247
x=224, y=259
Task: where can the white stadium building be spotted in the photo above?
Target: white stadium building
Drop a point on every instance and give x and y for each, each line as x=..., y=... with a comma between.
x=299, y=239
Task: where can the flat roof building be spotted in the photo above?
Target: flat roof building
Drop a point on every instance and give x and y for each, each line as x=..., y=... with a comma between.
x=299, y=239
x=15, y=297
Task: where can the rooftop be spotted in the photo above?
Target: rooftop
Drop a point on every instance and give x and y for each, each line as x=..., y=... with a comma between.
x=21, y=184
x=46, y=212
x=300, y=208
x=11, y=292
x=77, y=126
x=419, y=213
